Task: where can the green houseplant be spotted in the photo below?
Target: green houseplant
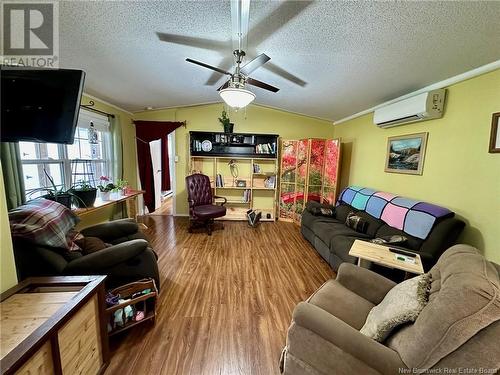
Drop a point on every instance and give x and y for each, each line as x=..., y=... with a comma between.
x=85, y=192
x=105, y=188
x=226, y=122
x=55, y=194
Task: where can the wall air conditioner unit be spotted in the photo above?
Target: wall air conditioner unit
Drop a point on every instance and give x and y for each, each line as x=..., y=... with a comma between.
x=426, y=106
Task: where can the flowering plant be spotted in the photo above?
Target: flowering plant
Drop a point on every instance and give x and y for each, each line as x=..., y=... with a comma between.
x=105, y=185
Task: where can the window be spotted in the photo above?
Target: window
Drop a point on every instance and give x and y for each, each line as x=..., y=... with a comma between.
x=68, y=164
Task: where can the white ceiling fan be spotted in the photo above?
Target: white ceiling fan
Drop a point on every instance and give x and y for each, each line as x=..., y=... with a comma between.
x=234, y=91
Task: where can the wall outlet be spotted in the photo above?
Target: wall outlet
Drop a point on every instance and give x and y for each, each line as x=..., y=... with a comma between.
x=176, y=159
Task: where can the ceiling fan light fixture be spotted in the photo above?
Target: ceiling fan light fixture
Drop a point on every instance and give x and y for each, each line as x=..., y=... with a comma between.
x=236, y=97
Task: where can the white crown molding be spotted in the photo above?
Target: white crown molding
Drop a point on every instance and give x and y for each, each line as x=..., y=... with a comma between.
x=107, y=103
x=438, y=85
x=175, y=107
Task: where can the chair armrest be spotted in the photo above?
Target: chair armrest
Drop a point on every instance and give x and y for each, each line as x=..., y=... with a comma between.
x=106, y=258
x=219, y=197
x=365, y=283
x=112, y=229
x=347, y=338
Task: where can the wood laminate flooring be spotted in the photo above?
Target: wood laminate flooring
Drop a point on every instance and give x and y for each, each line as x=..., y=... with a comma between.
x=226, y=300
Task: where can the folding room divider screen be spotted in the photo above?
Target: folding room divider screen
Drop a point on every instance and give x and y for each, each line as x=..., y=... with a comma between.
x=309, y=172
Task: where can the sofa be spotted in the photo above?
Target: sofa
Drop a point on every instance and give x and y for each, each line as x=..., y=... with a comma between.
x=457, y=330
x=429, y=229
x=130, y=258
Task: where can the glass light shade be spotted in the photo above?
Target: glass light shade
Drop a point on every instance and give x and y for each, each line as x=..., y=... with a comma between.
x=237, y=98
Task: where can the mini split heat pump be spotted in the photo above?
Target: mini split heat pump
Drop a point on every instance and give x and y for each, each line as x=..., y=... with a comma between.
x=426, y=106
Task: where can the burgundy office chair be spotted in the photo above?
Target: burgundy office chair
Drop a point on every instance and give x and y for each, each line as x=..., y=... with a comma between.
x=201, y=202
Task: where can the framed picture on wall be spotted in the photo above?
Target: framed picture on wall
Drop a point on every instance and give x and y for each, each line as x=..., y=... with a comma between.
x=495, y=133
x=406, y=153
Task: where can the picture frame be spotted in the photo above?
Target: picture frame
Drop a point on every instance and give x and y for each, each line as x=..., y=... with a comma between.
x=495, y=133
x=406, y=153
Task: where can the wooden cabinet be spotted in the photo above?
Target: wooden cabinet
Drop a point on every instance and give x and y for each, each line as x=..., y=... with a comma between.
x=309, y=171
x=54, y=325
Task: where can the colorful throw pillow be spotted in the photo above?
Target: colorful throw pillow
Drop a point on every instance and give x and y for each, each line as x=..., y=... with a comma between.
x=356, y=222
x=390, y=240
x=45, y=223
x=90, y=245
x=402, y=304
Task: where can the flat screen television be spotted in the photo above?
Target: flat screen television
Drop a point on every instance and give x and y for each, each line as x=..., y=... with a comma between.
x=40, y=105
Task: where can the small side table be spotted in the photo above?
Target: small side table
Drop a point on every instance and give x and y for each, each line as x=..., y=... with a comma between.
x=381, y=255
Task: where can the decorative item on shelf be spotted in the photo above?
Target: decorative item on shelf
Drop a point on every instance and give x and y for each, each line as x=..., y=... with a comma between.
x=85, y=192
x=241, y=183
x=270, y=182
x=206, y=145
x=233, y=167
x=256, y=168
x=226, y=122
x=405, y=153
x=495, y=133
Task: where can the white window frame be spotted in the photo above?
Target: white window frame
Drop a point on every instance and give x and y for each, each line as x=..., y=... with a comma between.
x=101, y=123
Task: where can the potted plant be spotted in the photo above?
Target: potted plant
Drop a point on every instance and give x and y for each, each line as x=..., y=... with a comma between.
x=226, y=122
x=118, y=189
x=55, y=194
x=105, y=187
x=85, y=192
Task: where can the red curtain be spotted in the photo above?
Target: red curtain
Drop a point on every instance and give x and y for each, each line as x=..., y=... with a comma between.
x=147, y=131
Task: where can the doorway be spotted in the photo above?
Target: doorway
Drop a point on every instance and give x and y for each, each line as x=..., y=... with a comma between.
x=164, y=200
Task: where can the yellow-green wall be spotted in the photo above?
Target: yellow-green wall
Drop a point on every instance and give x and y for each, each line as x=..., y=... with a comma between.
x=256, y=119
x=459, y=173
x=8, y=277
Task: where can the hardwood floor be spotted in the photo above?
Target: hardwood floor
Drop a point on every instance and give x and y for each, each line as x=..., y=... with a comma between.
x=165, y=208
x=226, y=300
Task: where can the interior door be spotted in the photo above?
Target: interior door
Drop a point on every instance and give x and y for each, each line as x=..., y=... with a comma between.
x=155, y=147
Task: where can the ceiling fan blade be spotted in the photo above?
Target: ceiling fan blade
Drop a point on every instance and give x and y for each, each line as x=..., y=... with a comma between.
x=224, y=86
x=225, y=64
x=287, y=11
x=262, y=85
x=203, y=43
x=254, y=64
x=284, y=74
x=240, y=14
x=207, y=66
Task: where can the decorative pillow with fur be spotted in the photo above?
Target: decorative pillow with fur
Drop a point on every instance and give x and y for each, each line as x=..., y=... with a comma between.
x=402, y=304
x=318, y=209
x=390, y=240
x=356, y=222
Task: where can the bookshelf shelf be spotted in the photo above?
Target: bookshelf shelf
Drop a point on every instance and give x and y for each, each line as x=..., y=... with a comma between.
x=235, y=160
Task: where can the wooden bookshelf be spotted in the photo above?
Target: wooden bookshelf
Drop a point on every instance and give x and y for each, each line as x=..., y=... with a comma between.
x=255, y=174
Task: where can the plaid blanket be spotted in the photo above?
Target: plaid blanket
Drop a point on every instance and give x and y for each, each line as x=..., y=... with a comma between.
x=416, y=218
x=46, y=223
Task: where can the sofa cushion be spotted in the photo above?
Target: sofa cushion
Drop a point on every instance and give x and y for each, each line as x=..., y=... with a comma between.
x=339, y=301
x=373, y=224
x=464, y=299
x=342, y=210
x=309, y=220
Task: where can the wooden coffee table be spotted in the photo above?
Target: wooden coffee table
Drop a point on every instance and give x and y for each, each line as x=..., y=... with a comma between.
x=380, y=254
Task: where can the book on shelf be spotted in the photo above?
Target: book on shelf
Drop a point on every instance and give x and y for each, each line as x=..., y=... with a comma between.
x=219, y=181
x=247, y=196
x=256, y=168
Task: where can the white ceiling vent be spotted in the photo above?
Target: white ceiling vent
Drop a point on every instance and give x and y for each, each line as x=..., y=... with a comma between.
x=426, y=106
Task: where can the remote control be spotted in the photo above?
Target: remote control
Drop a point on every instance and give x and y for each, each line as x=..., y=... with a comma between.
x=403, y=252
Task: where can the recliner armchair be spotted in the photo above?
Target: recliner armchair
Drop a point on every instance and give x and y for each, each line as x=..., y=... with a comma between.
x=458, y=329
x=130, y=258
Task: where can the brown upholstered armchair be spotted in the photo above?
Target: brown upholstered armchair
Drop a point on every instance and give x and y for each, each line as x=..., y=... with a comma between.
x=201, y=202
